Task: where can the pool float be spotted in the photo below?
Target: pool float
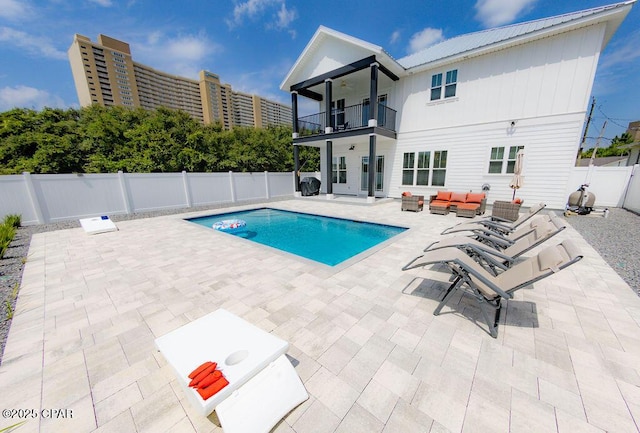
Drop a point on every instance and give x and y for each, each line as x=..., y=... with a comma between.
x=228, y=224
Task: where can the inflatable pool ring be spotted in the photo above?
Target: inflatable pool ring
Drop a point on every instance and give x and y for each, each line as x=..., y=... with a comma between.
x=228, y=224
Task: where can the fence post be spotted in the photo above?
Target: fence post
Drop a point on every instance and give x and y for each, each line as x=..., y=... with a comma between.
x=33, y=197
x=266, y=183
x=232, y=186
x=187, y=192
x=125, y=192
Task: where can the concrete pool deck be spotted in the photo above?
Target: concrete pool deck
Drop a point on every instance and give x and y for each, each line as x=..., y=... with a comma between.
x=80, y=354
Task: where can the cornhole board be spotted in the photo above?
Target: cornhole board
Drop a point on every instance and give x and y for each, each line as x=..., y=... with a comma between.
x=95, y=225
x=263, y=385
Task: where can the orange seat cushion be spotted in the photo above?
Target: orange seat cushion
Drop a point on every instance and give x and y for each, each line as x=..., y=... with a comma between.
x=444, y=195
x=439, y=203
x=468, y=206
x=475, y=197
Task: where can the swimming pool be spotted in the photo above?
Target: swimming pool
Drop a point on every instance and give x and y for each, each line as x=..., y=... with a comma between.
x=326, y=240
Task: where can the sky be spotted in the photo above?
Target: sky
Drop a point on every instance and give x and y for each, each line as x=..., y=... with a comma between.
x=252, y=44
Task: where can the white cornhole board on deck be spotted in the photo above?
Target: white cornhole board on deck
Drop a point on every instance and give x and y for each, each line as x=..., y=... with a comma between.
x=263, y=385
x=95, y=225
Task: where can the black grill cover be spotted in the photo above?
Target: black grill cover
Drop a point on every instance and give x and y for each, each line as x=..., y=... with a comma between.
x=310, y=186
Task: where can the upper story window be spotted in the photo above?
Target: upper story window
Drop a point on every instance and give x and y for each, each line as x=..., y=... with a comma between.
x=450, y=83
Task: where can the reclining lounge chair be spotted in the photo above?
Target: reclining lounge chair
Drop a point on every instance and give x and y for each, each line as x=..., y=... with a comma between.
x=489, y=290
x=497, y=225
x=502, y=251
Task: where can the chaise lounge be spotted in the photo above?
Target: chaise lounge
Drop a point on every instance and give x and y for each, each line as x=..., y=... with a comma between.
x=488, y=289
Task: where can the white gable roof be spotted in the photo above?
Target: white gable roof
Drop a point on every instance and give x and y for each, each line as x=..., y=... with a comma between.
x=468, y=45
x=473, y=42
x=320, y=37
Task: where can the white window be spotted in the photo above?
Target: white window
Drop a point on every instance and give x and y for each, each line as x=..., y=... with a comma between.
x=427, y=169
x=450, y=84
x=497, y=162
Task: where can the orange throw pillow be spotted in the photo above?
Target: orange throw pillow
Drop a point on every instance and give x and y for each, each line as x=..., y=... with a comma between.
x=459, y=196
x=406, y=194
x=475, y=197
x=212, y=389
x=444, y=195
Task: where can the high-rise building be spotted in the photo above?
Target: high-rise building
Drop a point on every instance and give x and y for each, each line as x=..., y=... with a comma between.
x=105, y=74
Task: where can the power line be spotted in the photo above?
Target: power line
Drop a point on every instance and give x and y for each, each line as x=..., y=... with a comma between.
x=611, y=119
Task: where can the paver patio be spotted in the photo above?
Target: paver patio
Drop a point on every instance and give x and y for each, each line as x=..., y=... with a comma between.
x=363, y=337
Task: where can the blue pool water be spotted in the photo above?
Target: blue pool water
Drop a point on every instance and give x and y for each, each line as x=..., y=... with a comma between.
x=323, y=239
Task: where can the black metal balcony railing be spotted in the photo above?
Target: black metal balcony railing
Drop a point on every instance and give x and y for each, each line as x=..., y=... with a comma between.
x=352, y=117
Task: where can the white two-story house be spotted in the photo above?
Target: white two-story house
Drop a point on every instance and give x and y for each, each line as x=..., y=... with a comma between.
x=454, y=115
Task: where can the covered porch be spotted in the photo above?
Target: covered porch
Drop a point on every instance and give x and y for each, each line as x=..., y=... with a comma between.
x=348, y=122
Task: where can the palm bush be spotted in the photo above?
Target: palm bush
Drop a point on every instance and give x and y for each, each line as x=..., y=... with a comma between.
x=7, y=232
x=12, y=220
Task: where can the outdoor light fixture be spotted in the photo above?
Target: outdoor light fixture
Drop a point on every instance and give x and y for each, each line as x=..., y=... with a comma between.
x=353, y=146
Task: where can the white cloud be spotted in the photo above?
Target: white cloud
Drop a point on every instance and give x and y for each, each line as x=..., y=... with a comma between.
x=255, y=9
x=492, y=13
x=624, y=52
x=33, y=44
x=104, y=3
x=424, y=39
x=395, y=37
x=184, y=55
x=285, y=16
x=28, y=97
x=14, y=9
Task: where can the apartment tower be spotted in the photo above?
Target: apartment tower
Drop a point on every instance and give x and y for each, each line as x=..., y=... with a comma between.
x=105, y=74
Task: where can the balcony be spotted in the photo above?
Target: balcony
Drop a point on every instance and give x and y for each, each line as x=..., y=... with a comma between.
x=349, y=118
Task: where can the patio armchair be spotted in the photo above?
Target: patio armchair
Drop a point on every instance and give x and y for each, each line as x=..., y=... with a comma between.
x=505, y=210
x=489, y=290
x=412, y=202
x=496, y=225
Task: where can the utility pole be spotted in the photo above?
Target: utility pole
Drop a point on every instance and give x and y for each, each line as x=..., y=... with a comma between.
x=586, y=128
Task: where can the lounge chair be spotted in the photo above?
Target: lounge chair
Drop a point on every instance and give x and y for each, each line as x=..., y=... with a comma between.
x=488, y=289
x=502, y=249
x=496, y=224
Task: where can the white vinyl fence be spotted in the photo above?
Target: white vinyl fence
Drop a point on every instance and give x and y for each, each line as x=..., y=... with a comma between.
x=612, y=186
x=632, y=193
x=45, y=198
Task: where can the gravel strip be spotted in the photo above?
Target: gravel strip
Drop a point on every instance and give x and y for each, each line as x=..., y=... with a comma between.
x=615, y=238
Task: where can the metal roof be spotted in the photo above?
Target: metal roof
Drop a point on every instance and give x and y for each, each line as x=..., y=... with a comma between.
x=473, y=41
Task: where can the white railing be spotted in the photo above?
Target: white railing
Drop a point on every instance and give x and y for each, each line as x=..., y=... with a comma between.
x=45, y=198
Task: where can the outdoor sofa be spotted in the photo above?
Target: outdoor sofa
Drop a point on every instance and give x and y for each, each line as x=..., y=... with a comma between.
x=465, y=204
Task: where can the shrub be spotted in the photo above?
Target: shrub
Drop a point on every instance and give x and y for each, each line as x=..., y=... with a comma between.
x=12, y=220
x=7, y=232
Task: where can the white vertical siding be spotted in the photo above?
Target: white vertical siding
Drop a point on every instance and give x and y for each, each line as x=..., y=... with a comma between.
x=545, y=77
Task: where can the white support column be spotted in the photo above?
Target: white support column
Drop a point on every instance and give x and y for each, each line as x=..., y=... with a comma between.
x=124, y=191
x=187, y=192
x=33, y=197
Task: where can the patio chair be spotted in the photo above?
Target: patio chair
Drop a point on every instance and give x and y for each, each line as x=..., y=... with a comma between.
x=496, y=224
x=502, y=255
x=489, y=290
